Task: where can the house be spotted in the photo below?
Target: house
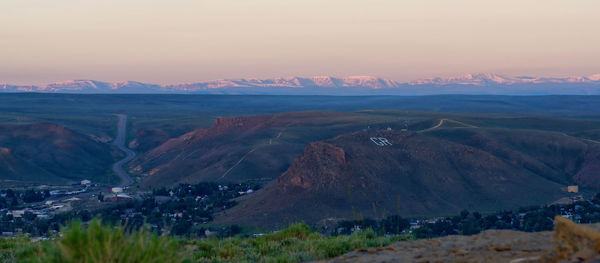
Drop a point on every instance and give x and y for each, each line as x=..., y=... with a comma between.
x=58, y=192
x=76, y=192
x=119, y=198
x=573, y=189
x=17, y=213
x=73, y=199
x=43, y=216
x=162, y=199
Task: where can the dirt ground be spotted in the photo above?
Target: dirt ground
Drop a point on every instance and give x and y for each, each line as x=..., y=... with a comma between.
x=568, y=243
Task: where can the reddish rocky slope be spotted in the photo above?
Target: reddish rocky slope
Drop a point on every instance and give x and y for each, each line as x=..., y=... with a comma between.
x=238, y=149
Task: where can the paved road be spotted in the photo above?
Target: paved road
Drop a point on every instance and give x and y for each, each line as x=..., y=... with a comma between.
x=120, y=143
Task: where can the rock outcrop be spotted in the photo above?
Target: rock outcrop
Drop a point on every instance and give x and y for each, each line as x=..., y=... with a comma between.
x=575, y=243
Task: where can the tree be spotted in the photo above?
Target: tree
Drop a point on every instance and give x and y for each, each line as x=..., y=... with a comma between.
x=29, y=216
x=181, y=227
x=395, y=224
x=85, y=215
x=464, y=214
x=10, y=193
x=14, y=202
x=31, y=196
x=596, y=198
x=235, y=229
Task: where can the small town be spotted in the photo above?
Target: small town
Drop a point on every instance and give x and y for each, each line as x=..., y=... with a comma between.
x=41, y=212
x=187, y=210
x=528, y=219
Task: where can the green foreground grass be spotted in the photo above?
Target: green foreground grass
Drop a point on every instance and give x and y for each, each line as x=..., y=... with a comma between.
x=98, y=243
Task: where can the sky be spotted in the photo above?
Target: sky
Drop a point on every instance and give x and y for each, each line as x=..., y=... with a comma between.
x=172, y=41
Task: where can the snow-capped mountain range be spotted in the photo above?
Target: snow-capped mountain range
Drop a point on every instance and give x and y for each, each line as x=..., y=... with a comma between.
x=487, y=79
x=326, y=85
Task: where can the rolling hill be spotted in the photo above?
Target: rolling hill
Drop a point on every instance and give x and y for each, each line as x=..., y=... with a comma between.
x=50, y=153
x=237, y=149
x=437, y=172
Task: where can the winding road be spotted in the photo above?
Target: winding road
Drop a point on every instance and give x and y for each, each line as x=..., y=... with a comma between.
x=120, y=143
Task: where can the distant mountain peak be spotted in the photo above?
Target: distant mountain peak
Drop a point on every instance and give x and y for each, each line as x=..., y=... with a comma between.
x=479, y=83
x=482, y=79
x=595, y=77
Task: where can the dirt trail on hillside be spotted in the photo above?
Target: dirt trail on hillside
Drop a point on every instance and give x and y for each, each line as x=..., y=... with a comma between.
x=251, y=151
x=442, y=121
x=568, y=242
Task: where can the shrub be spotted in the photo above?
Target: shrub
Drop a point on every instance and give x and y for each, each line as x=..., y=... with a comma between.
x=297, y=243
x=98, y=243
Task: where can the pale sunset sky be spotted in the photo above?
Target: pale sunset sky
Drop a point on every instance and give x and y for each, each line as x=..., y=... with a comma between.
x=171, y=41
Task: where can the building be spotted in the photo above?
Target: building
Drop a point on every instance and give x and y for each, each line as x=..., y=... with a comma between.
x=73, y=199
x=573, y=189
x=119, y=198
x=17, y=213
x=43, y=216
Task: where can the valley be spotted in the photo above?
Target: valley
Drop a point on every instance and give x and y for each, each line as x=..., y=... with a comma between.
x=345, y=158
x=299, y=131
x=129, y=154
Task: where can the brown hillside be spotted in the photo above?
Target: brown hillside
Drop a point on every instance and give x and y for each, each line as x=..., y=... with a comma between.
x=432, y=173
x=50, y=153
x=242, y=148
x=148, y=139
x=14, y=169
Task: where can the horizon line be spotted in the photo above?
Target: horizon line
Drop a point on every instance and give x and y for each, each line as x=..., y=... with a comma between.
x=595, y=77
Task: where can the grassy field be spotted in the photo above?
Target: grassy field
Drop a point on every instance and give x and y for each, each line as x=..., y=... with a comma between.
x=97, y=243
